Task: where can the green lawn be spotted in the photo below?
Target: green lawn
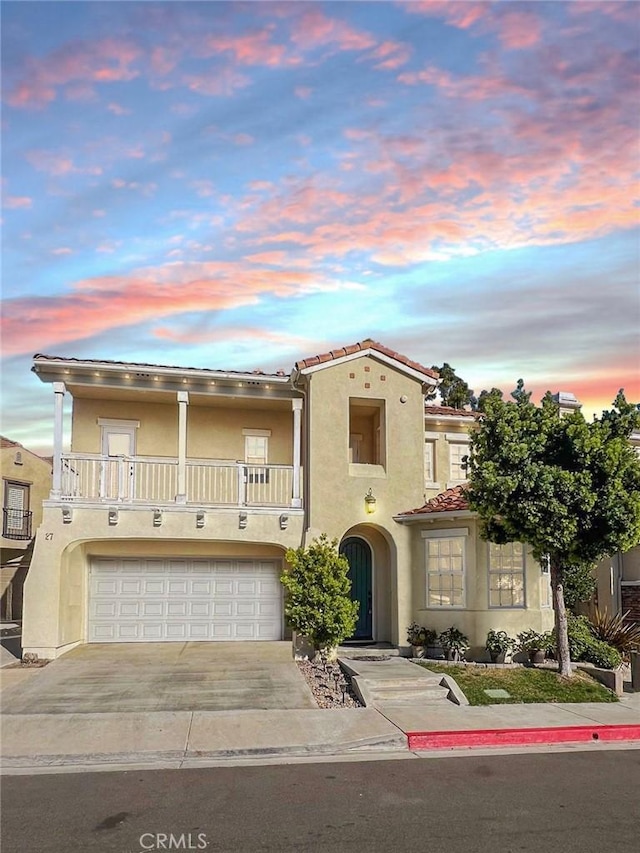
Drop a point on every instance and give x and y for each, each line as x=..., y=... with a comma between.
x=524, y=684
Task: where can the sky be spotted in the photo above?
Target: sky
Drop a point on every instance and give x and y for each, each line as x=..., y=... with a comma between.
x=238, y=185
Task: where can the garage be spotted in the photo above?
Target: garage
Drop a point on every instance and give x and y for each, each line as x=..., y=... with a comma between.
x=179, y=600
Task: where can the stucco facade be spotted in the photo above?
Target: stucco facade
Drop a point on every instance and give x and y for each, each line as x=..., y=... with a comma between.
x=183, y=479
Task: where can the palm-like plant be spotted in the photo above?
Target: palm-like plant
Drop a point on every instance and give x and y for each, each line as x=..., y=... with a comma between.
x=623, y=636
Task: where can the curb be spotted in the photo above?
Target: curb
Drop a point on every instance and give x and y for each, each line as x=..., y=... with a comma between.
x=521, y=737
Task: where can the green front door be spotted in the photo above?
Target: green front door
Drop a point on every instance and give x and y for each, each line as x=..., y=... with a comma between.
x=358, y=554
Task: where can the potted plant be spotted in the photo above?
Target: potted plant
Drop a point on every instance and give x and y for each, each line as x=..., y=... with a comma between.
x=498, y=644
x=418, y=637
x=454, y=643
x=535, y=644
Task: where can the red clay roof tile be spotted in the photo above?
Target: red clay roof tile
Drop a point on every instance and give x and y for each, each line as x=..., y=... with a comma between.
x=362, y=346
x=451, y=500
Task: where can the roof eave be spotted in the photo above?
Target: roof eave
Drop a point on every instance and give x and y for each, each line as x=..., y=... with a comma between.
x=449, y=515
x=424, y=378
x=59, y=368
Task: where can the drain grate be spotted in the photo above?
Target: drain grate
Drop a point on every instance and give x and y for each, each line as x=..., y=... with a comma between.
x=373, y=658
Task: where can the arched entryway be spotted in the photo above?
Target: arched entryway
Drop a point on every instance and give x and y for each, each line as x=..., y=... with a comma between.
x=360, y=558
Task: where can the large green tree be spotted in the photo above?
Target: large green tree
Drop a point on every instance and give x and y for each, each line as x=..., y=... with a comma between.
x=453, y=390
x=567, y=487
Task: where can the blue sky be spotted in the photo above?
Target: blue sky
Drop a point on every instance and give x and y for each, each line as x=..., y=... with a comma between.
x=240, y=185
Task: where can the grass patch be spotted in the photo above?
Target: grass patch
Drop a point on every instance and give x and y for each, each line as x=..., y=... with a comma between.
x=524, y=684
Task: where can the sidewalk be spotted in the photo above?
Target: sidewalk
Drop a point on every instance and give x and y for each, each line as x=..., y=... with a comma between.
x=188, y=739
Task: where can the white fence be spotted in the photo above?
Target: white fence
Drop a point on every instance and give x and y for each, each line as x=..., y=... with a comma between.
x=153, y=480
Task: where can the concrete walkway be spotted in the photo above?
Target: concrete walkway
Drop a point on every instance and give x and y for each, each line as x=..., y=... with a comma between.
x=33, y=742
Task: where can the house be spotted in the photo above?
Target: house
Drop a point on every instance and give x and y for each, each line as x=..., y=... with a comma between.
x=618, y=577
x=26, y=482
x=170, y=517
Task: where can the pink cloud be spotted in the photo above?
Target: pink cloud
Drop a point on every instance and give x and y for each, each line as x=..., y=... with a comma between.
x=303, y=92
x=243, y=139
x=314, y=29
x=250, y=49
x=219, y=82
x=16, y=202
x=458, y=14
x=58, y=164
x=118, y=109
x=390, y=55
x=63, y=250
x=96, y=305
x=519, y=30
x=80, y=63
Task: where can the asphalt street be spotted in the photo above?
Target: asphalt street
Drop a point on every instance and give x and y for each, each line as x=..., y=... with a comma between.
x=564, y=802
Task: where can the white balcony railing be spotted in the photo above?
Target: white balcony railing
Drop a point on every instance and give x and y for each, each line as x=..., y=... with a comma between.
x=93, y=478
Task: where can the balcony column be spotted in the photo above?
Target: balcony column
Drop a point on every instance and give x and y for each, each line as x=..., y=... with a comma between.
x=296, y=500
x=183, y=402
x=59, y=390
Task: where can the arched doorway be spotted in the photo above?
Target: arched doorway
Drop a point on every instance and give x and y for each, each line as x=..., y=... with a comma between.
x=358, y=554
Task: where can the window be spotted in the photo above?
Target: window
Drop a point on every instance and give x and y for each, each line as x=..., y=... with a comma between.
x=367, y=439
x=16, y=521
x=256, y=454
x=506, y=575
x=445, y=559
x=545, y=583
x=430, y=473
x=256, y=449
x=457, y=469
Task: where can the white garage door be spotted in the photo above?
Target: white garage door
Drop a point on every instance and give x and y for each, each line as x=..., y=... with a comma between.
x=133, y=600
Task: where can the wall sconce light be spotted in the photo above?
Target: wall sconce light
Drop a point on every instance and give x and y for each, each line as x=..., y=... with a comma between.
x=284, y=522
x=157, y=518
x=242, y=520
x=370, y=502
x=67, y=515
x=200, y=520
x=113, y=517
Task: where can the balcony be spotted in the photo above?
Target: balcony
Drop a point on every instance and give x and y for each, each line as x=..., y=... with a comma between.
x=16, y=524
x=91, y=478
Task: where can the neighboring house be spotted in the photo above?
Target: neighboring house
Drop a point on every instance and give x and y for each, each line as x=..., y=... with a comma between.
x=26, y=482
x=618, y=577
x=170, y=516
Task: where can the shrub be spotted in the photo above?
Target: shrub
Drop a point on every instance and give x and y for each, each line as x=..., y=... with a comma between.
x=623, y=636
x=602, y=654
x=580, y=635
x=418, y=635
x=454, y=639
x=584, y=646
x=318, y=603
x=498, y=642
x=531, y=641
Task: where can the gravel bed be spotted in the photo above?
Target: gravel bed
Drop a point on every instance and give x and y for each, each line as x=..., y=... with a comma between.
x=331, y=687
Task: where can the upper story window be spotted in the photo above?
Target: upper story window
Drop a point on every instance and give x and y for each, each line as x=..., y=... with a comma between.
x=256, y=454
x=458, y=449
x=367, y=435
x=256, y=446
x=430, y=460
x=445, y=568
x=506, y=575
x=16, y=518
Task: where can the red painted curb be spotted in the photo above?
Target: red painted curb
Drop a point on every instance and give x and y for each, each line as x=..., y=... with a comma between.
x=517, y=737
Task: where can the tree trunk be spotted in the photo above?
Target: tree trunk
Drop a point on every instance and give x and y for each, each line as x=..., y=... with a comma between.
x=560, y=612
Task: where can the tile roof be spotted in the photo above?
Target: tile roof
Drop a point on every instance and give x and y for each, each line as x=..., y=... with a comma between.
x=6, y=442
x=42, y=357
x=451, y=500
x=363, y=346
x=449, y=411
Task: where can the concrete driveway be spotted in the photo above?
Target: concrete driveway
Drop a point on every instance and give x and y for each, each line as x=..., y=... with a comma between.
x=143, y=677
